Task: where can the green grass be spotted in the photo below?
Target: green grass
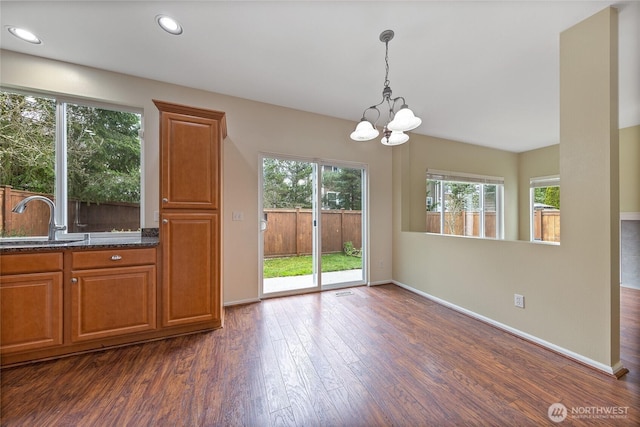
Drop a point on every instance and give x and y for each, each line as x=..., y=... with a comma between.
x=302, y=265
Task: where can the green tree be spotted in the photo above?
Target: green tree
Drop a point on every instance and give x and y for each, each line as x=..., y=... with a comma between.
x=460, y=197
x=27, y=142
x=103, y=155
x=548, y=196
x=348, y=184
x=552, y=197
x=103, y=149
x=287, y=184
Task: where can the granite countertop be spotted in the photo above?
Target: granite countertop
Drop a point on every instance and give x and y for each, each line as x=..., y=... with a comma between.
x=8, y=246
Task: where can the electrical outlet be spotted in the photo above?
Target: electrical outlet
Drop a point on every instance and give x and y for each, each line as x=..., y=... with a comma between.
x=518, y=300
x=237, y=216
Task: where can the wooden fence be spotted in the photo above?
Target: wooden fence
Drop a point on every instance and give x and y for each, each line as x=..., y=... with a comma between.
x=462, y=223
x=546, y=225
x=83, y=217
x=289, y=231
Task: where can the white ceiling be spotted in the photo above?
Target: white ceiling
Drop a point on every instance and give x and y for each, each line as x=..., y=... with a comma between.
x=483, y=72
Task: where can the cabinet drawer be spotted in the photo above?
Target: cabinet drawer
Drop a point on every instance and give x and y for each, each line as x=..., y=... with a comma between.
x=83, y=260
x=30, y=263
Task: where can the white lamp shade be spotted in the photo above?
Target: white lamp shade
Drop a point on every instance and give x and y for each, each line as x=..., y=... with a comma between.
x=404, y=120
x=395, y=138
x=364, y=131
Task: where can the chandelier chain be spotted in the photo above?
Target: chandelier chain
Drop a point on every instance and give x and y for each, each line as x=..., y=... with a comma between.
x=386, y=61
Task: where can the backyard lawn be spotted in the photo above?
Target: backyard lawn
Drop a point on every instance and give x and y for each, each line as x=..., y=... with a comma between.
x=302, y=265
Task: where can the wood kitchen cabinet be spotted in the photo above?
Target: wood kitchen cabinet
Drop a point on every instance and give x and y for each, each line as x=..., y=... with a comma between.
x=113, y=293
x=31, y=308
x=190, y=211
x=190, y=162
x=190, y=268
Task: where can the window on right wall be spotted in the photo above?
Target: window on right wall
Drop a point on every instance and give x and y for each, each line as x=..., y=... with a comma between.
x=464, y=205
x=545, y=209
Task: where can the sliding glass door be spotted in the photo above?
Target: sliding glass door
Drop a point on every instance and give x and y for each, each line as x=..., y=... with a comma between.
x=341, y=224
x=312, y=225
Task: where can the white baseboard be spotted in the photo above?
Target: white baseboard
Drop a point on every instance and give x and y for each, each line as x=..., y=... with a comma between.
x=380, y=282
x=242, y=301
x=610, y=370
x=629, y=216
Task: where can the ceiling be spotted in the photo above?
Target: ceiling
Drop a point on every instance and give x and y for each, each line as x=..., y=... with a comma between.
x=482, y=72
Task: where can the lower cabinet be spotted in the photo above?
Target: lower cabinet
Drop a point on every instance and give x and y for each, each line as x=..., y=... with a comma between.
x=113, y=293
x=71, y=301
x=190, y=269
x=30, y=311
x=112, y=301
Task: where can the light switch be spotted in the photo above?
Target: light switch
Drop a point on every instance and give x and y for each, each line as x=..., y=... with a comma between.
x=237, y=216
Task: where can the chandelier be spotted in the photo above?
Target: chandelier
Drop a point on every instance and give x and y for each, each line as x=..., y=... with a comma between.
x=398, y=121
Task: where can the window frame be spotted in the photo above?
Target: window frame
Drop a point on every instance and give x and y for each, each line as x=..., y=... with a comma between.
x=540, y=182
x=467, y=178
x=60, y=157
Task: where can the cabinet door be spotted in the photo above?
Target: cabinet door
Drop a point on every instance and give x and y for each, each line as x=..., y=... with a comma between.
x=112, y=301
x=190, y=268
x=30, y=311
x=190, y=162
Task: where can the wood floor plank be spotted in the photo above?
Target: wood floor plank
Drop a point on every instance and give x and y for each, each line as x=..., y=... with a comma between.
x=379, y=356
x=276, y=391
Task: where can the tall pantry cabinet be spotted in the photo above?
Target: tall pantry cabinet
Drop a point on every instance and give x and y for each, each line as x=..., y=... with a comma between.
x=190, y=211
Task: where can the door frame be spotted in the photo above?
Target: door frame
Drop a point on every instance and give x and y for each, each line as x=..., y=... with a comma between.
x=317, y=230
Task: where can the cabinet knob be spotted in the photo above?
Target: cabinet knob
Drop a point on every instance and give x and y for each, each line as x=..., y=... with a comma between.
x=165, y=200
x=74, y=280
x=116, y=257
x=165, y=221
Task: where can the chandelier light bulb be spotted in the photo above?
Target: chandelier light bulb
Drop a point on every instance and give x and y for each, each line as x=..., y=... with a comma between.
x=394, y=138
x=364, y=131
x=404, y=120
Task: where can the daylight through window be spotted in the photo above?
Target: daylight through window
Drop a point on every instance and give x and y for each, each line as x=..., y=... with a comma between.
x=464, y=205
x=85, y=158
x=545, y=209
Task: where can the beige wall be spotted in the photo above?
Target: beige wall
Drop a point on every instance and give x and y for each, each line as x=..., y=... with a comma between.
x=546, y=161
x=630, y=169
x=425, y=152
x=253, y=128
x=570, y=289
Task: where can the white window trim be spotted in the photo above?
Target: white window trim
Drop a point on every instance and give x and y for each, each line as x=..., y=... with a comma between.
x=441, y=175
x=60, y=186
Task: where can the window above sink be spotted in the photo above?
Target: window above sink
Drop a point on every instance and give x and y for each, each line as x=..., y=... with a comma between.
x=84, y=156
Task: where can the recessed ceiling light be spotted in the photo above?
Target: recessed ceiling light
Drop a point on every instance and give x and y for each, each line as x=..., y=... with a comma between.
x=169, y=24
x=25, y=35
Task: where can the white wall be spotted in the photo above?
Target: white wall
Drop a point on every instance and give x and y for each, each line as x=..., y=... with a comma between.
x=571, y=290
x=253, y=128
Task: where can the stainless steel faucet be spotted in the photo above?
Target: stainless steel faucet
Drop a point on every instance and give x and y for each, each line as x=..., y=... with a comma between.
x=20, y=207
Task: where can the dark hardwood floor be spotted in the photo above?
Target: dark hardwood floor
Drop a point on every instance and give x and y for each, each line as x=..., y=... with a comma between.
x=377, y=356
